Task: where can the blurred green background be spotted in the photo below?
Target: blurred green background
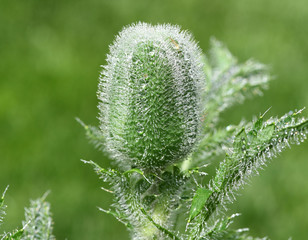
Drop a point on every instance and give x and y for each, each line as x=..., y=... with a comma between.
x=50, y=57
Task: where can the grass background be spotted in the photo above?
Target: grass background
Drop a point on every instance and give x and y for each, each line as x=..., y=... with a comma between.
x=50, y=57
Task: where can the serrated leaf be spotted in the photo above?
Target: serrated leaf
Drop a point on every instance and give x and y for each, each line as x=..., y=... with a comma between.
x=106, y=174
x=2, y=206
x=136, y=170
x=240, y=139
x=250, y=154
x=267, y=133
x=229, y=82
x=220, y=56
x=18, y=234
x=38, y=223
x=15, y=235
x=220, y=226
x=198, y=202
x=213, y=143
x=95, y=136
x=258, y=124
x=120, y=218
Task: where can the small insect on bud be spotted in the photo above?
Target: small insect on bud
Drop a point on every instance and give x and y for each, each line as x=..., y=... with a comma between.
x=150, y=96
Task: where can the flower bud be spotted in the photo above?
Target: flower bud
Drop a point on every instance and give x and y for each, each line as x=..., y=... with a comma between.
x=150, y=96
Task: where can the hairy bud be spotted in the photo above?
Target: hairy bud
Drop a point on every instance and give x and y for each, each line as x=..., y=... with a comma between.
x=150, y=96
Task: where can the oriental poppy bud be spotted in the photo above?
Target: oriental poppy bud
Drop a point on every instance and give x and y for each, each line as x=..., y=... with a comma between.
x=150, y=96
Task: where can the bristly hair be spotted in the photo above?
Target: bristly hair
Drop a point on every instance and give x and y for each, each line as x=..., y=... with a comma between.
x=150, y=96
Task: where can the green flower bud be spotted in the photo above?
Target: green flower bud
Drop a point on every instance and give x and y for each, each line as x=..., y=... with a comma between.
x=150, y=96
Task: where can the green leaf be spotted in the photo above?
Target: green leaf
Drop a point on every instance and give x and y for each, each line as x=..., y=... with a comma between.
x=18, y=234
x=252, y=147
x=267, y=133
x=220, y=56
x=198, y=202
x=119, y=217
x=229, y=82
x=15, y=235
x=2, y=206
x=221, y=226
x=259, y=123
x=95, y=136
x=38, y=223
x=214, y=143
x=2, y=197
x=106, y=174
x=136, y=170
x=240, y=139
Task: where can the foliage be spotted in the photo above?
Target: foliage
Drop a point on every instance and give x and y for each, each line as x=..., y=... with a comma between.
x=150, y=200
x=37, y=224
x=153, y=195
